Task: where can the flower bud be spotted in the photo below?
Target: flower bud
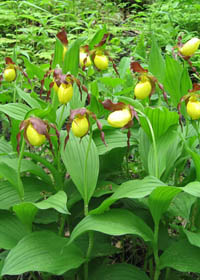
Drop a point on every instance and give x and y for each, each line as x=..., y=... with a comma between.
x=64, y=52
x=143, y=89
x=193, y=108
x=101, y=61
x=82, y=57
x=65, y=93
x=190, y=47
x=34, y=138
x=120, y=118
x=80, y=126
x=9, y=74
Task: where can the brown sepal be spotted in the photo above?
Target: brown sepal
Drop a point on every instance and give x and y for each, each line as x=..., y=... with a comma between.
x=8, y=60
x=109, y=105
x=103, y=40
x=62, y=36
x=136, y=67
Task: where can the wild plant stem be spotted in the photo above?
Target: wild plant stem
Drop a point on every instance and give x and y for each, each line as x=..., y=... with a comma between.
x=61, y=116
x=20, y=184
x=155, y=251
x=153, y=141
x=91, y=234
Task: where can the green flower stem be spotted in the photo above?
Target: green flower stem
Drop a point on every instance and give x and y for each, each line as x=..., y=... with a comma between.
x=20, y=184
x=61, y=116
x=196, y=127
x=89, y=251
x=14, y=92
x=91, y=234
x=62, y=224
x=155, y=251
x=153, y=141
x=167, y=274
x=85, y=177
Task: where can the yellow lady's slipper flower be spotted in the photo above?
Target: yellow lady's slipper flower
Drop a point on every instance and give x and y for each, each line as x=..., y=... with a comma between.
x=65, y=93
x=143, y=88
x=101, y=61
x=193, y=108
x=34, y=138
x=190, y=47
x=9, y=74
x=120, y=118
x=80, y=126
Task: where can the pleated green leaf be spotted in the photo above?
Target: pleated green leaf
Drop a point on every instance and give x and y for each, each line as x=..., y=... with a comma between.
x=130, y=189
x=26, y=211
x=27, y=166
x=181, y=256
x=159, y=201
x=172, y=80
x=161, y=119
x=156, y=61
x=192, y=188
x=82, y=164
x=114, y=222
x=42, y=251
x=34, y=190
x=114, y=139
x=193, y=237
x=27, y=97
x=16, y=111
x=11, y=230
x=57, y=201
x=71, y=60
x=118, y=272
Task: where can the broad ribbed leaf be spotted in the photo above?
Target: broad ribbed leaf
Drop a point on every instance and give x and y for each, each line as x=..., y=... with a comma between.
x=114, y=222
x=161, y=119
x=5, y=147
x=181, y=256
x=192, y=188
x=159, y=201
x=118, y=272
x=26, y=211
x=26, y=166
x=168, y=151
x=172, y=81
x=71, y=61
x=124, y=66
x=34, y=190
x=33, y=70
x=29, y=100
x=114, y=139
x=57, y=201
x=82, y=164
x=130, y=189
x=112, y=82
x=193, y=237
x=11, y=230
x=9, y=173
x=156, y=61
x=181, y=205
x=16, y=111
x=42, y=251
x=58, y=53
